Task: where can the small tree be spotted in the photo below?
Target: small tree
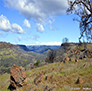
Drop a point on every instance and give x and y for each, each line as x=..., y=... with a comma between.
x=37, y=63
x=65, y=40
x=50, y=56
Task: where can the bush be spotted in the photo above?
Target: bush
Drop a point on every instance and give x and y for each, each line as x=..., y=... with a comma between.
x=37, y=63
x=50, y=56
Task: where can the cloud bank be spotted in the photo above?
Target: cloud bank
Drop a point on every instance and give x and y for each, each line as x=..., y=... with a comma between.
x=6, y=26
x=38, y=10
x=46, y=43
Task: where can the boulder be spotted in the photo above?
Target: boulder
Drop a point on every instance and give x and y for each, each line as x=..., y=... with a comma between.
x=47, y=78
x=17, y=77
x=67, y=59
x=79, y=80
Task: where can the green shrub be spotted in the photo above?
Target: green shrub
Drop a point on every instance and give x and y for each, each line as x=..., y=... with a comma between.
x=37, y=63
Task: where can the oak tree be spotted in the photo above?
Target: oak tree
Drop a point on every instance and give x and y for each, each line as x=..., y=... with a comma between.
x=83, y=9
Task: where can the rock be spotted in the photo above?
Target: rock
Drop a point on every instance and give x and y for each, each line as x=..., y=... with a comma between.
x=85, y=65
x=76, y=60
x=67, y=59
x=47, y=78
x=46, y=88
x=38, y=79
x=71, y=59
x=17, y=77
x=76, y=52
x=43, y=72
x=49, y=89
x=79, y=81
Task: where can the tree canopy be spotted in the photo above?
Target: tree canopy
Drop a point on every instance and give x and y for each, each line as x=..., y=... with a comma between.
x=82, y=8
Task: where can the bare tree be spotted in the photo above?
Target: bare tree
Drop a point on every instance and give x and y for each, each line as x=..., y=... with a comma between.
x=65, y=40
x=83, y=9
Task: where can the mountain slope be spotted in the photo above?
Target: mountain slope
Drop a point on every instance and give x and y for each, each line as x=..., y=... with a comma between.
x=15, y=54
x=74, y=51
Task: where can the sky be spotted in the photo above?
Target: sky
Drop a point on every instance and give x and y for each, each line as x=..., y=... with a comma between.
x=37, y=22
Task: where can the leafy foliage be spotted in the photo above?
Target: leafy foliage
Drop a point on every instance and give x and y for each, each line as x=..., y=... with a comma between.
x=37, y=63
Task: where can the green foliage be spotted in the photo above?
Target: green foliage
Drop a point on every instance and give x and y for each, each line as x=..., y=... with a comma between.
x=37, y=63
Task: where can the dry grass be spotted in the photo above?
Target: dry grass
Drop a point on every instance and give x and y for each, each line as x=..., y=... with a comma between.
x=64, y=77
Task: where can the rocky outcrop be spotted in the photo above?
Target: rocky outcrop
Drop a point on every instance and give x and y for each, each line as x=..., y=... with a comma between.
x=17, y=77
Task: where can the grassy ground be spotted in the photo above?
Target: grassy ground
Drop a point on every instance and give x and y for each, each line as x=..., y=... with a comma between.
x=64, y=77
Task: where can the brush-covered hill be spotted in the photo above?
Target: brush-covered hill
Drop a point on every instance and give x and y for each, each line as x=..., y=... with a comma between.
x=75, y=51
x=16, y=54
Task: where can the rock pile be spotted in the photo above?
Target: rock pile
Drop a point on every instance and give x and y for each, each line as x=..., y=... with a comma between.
x=17, y=77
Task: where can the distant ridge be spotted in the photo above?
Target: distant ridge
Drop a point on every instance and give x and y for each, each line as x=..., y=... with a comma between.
x=24, y=47
x=42, y=48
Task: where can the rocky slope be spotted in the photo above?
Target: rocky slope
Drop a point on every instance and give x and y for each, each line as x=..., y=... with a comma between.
x=62, y=75
x=58, y=76
x=74, y=51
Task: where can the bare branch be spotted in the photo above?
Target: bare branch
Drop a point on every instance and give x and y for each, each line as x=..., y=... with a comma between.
x=84, y=11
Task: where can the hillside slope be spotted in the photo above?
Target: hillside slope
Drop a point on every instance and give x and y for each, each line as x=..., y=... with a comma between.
x=56, y=76
x=62, y=74
x=75, y=51
x=14, y=54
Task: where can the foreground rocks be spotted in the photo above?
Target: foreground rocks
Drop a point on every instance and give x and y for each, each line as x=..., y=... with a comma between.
x=17, y=77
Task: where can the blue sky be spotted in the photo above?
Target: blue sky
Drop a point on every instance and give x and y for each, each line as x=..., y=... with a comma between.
x=36, y=22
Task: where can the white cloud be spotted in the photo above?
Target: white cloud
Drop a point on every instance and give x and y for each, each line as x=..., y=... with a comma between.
x=45, y=43
x=51, y=28
x=39, y=27
x=1, y=33
x=51, y=43
x=6, y=26
x=26, y=23
x=16, y=28
x=51, y=22
x=35, y=37
x=19, y=38
x=40, y=10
